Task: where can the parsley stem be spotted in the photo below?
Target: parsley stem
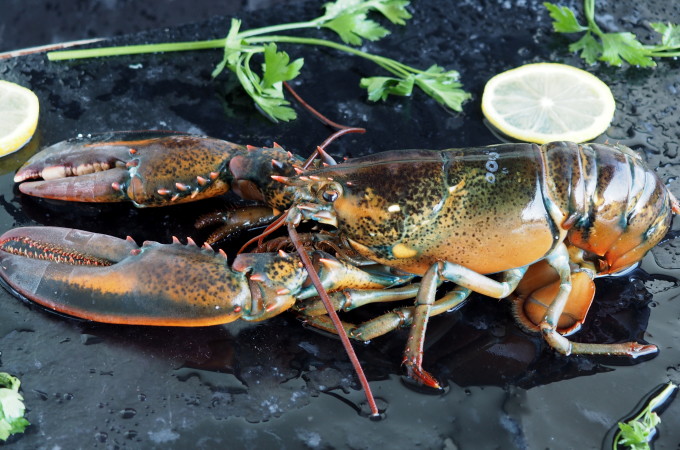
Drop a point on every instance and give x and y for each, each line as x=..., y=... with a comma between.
x=392, y=66
x=589, y=11
x=663, y=54
x=277, y=28
x=135, y=49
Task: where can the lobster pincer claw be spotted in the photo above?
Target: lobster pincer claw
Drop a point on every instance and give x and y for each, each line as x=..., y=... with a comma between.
x=112, y=280
x=149, y=168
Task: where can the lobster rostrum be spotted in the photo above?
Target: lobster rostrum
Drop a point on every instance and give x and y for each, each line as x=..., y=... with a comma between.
x=537, y=223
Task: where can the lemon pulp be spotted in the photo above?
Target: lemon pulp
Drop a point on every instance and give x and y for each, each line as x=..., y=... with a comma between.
x=548, y=102
x=19, y=111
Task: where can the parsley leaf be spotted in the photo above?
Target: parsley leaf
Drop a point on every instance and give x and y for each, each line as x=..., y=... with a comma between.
x=636, y=434
x=11, y=407
x=348, y=18
x=379, y=88
x=353, y=27
x=564, y=19
x=617, y=46
x=232, y=48
x=589, y=47
x=443, y=86
x=613, y=48
x=639, y=431
x=394, y=10
x=277, y=67
x=670, y=34
x=267, y=91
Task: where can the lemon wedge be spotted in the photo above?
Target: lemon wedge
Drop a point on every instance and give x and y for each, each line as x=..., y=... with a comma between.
x=548, y=102
x=19, y=110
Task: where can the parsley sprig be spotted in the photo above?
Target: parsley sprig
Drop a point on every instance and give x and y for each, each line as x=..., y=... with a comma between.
x=349, y=19
x=613, y=48
x=639, y=431
x=11, y=407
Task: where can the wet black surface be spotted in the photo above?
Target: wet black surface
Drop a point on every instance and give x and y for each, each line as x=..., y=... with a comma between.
x=278, y=384
x=30, y=23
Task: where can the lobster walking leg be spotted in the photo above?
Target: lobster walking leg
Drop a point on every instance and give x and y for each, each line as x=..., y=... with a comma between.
x=349, y=299
x=381, y=325
x=232, y=222
x=559, y=259
x=403, y=317
x=538, y=289
x=466, y=278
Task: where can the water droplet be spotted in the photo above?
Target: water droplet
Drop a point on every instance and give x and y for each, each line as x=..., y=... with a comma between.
x=127, y=413
x=130, y=434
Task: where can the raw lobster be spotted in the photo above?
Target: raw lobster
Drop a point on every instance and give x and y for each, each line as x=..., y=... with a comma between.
x=535, y=222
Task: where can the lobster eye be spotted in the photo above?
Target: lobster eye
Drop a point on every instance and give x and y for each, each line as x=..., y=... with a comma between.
x=330, y=195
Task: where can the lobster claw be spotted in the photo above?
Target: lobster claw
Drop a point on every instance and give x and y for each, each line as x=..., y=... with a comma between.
x=106, y=279
x=151, y=168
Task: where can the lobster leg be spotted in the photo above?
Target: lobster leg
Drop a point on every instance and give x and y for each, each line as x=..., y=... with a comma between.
x=559, y=260
x=349, y=299
x=398, y=318
x=232, y=222
x=539, y=288
x=452, y=300
x=466, y=278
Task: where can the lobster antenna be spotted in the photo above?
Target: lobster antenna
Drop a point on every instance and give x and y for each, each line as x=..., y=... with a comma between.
x=320, y=149
x=675, y=205
x=295, y=239
x=314, y=278
x=342, y=129
x=325, y=120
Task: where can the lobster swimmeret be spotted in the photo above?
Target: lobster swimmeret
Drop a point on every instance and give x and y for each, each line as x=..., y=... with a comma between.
x=535, y=222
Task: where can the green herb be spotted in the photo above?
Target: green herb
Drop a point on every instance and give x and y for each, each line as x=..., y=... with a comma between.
x=613, y=48
x=639, y=431
x=11, y=407
x=347, y=18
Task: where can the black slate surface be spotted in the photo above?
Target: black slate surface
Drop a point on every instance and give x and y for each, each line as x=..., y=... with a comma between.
x=30, y=23
x=278, y=384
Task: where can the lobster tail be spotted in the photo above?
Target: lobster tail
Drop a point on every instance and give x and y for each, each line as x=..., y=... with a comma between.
x=614, y=208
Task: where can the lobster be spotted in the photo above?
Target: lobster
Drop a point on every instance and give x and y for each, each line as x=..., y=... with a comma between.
x=535, y=223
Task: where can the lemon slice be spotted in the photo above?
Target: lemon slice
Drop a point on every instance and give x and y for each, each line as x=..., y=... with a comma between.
x=19, y=109
x=548, y=102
